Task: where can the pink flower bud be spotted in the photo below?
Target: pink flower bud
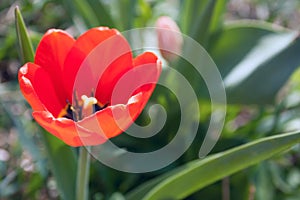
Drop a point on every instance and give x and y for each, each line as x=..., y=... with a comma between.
x=169, y=38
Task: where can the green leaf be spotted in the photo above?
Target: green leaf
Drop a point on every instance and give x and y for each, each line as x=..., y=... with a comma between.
x=190, y=10
x=264, y=187
x=199, y=173
x=201, y=18
x=117, y=196
x=63, y=165
x=61, y=157
x=200, y=29
x=23, y=38
x=102, y=13
x=228, y=52
x=140, y=191
x=86, y=12
x=144, y=11
x=126, y=13
x=217, y=18
x=255, y=56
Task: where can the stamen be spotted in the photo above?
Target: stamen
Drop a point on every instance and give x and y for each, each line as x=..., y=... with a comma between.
x=76, y=108
x=87, y=107
x=81, y=107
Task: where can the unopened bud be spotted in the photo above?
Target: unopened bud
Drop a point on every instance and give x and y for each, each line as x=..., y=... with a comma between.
x=169, y=38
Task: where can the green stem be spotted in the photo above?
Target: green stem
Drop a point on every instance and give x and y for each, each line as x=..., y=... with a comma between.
x=82, y=189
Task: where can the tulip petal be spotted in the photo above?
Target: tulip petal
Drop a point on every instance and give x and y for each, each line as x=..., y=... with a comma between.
x=147, y=57
x=142, y=78
x=99, y=54
x=67, y=130
x=51, y=54
x=150, y=70
x=37, y=87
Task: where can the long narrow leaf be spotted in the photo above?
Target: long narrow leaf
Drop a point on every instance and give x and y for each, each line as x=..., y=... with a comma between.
x=200, y=173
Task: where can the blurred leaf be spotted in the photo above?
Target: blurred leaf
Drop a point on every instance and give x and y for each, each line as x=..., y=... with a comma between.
x=8, y=190
x=126, y=14
x=61, y=157
x=36, y=182
x=117, y=196
x=102, y=13
x=24, y=41
x=217, y=18
x=260, y=58
x=228, y=52
x=7, y=186
x=86, y=12
x=190, y=10
x=200, y=28
x=237, y=190
x=277, y=174
x=140, y=191
x=8, y=45
x=9, y=100
x=201, y=18
x=63, y=164
x=264, y=188
x=293, y=178
x=201, y=173
x=144, y=13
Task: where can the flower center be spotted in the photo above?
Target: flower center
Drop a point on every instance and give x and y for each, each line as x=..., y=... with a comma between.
x=81, y=108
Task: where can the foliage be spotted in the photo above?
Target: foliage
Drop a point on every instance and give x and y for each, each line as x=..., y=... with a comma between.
x=256, y=157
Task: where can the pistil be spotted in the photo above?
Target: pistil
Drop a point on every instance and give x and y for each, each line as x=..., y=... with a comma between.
x=88, y=105
x=82, y=107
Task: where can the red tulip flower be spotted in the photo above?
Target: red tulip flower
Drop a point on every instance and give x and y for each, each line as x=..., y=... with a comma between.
x=87, y=90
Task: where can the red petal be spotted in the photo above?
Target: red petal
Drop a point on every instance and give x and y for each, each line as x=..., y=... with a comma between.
x=67, y=130
x=37, y=87
x=148, y=60
x=92, y=53
x=51, y=54
x=147, y=57
x=142, y=78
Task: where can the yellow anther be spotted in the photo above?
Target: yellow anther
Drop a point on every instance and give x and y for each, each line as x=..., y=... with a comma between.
x=87, y=106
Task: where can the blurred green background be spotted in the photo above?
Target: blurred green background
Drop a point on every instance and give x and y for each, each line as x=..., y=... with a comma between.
x=265, y=103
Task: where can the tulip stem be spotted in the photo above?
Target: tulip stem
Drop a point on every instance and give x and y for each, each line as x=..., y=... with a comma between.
x=82, y=189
